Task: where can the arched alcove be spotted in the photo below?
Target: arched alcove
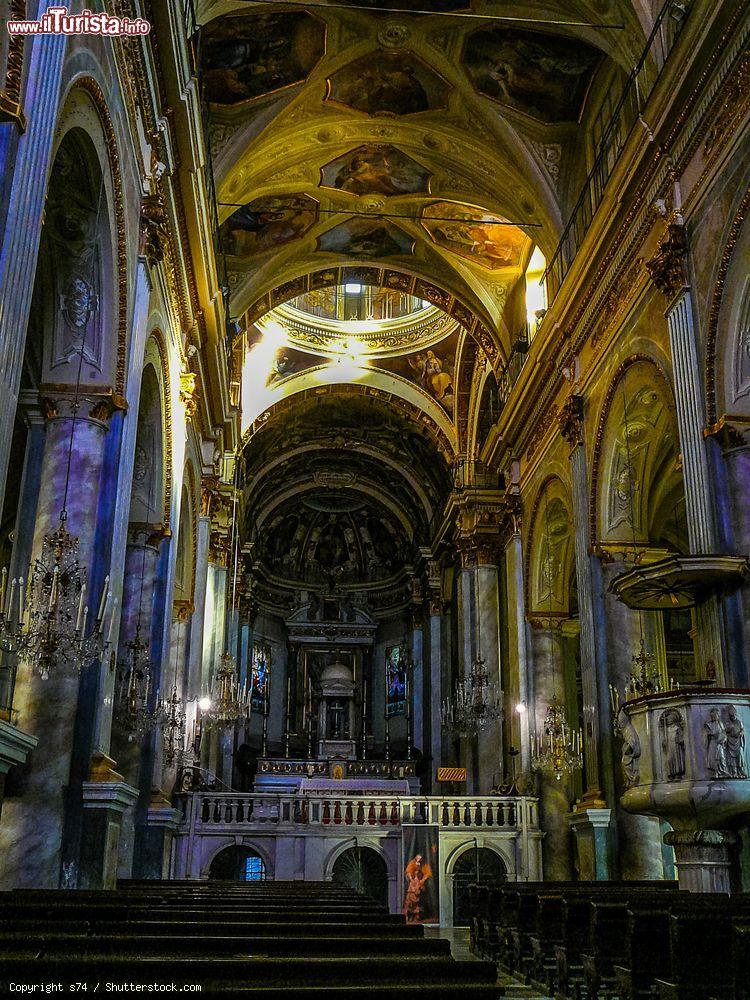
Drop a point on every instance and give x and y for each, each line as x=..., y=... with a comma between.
x=363, y=870
x=237, y=863
x=474, y=866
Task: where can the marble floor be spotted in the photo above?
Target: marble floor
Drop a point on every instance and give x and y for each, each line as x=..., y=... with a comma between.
x=459, y=939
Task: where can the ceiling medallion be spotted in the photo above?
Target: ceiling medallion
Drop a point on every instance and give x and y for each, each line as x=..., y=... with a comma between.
x=394, y=35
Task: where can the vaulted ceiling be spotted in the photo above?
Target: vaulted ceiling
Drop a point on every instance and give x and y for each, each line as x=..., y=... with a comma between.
x=352, y=135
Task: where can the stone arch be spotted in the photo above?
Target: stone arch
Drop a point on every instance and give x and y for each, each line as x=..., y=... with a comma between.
x=91, y=87
x=371, y=866
x=549, y=555
x=398, y=279
x=156, y=352
x=728, y=334
x=634, y=476
x=227, y=843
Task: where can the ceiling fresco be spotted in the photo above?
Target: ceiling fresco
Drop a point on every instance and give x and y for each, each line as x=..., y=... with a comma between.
x=393, y=123
x=485, y=239
x=542, y=75
x=267, y=223
x=246, y=57
x=393, y=83
x=376, y=169
x=366, y=238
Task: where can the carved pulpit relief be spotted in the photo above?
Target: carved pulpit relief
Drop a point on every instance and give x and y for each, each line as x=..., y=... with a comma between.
x=672, y=730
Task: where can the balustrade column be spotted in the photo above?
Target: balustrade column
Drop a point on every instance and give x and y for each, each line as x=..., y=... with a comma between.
x=668, y=270
x=31, y=834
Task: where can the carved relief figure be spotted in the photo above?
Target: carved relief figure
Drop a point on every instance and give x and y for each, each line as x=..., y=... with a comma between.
x=715, y=742
x=673, y=743
x=631, y=750
x=736, y=758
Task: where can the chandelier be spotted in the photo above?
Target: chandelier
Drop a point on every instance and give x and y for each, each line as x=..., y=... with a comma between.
x=227, y=699
x=170, y=718
x=474, y=704
x=559, y=750
x=134, y=686
x=46, y=622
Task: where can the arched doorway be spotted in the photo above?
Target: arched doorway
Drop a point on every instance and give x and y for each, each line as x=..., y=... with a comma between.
x=365, y=871
x=476, y=866
x=238, y=864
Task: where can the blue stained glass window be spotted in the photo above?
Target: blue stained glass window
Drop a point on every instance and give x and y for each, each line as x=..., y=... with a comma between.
x=255, y=870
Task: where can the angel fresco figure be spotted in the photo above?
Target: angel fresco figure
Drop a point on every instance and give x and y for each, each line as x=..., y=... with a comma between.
x=673, y=743
x=736, y=744
x=715, y=741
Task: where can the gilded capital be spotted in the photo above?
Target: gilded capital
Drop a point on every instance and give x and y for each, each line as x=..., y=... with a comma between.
x=570, y=420
x=153, y=228
x=187, y=394
x=668, y=267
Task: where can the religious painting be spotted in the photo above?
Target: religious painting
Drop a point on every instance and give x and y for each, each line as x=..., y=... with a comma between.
x=376, y=169
x=428, y=6
x=485, y=239
x=421, y=868
x=259, y=679
x=248, y=56
x=544, y=76
x=268, y=222
x=395, y=681
x=434, y=376
x=369, y=238
x=393, y=83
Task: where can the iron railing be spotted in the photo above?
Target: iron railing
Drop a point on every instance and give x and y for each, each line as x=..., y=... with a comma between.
x=627, y=115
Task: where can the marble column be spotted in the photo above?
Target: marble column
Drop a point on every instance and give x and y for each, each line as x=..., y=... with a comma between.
x=639, y=853
x=32, y=829
x=520, y=695
x=435, y=666
x=669, y=272
x=416, y=708
x=23, y=224
x=490, y=742
x=555, y=797
x=139, y=582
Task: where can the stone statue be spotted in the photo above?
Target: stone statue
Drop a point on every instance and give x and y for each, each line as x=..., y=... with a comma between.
x=715, y=738
x=735, y=752
x=631, y=750
x=673, y=743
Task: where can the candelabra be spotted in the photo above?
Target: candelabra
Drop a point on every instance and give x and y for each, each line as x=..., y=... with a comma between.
x=475, y=702
x=643, y=680
x=560, y=749
x=45, y=622
x=229, y=700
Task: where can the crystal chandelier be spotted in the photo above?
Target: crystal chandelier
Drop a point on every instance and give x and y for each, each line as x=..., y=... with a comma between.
x=475, y=702
x=46, y=622
x=559, y=750
x=228, y=700
x=134, y=686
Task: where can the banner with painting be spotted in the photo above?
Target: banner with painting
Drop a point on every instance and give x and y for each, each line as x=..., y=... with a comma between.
x=395, y=681
x=260, y=665
x=421, y=868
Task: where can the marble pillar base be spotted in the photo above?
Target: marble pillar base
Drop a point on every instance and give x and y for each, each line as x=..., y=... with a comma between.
x=104, y=805
x=154, y=838
x=591, y=829
x=15, y=746
x=703, y=858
